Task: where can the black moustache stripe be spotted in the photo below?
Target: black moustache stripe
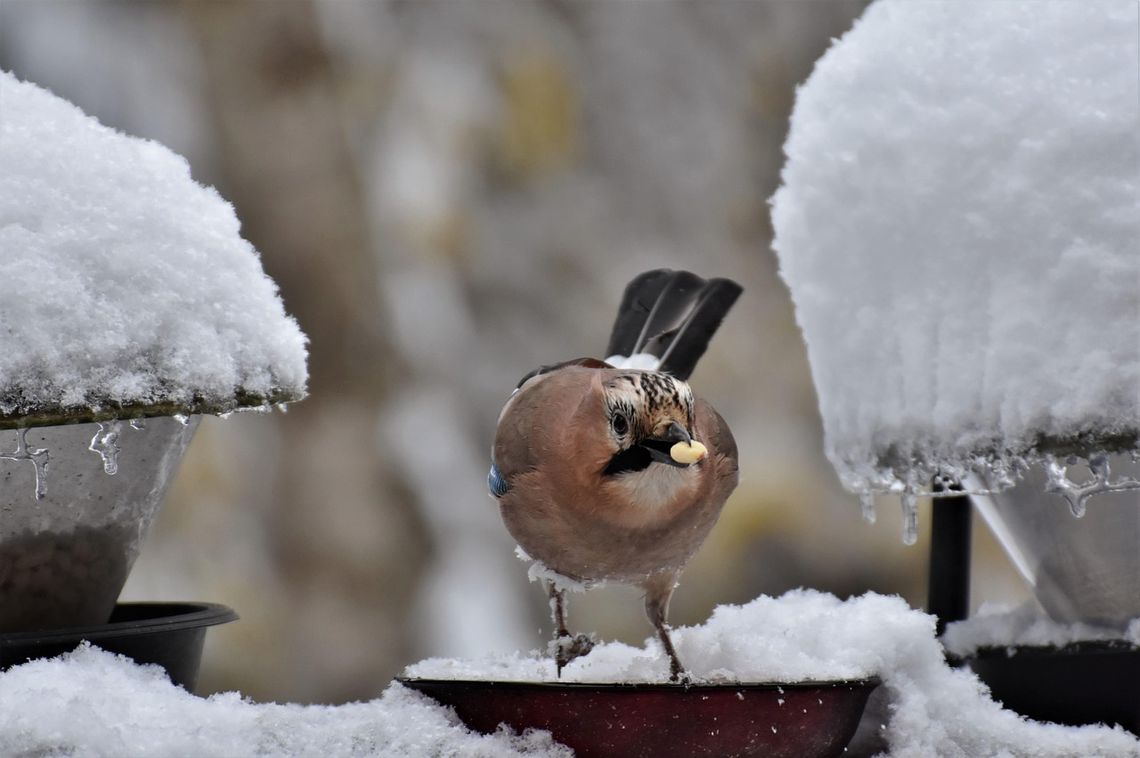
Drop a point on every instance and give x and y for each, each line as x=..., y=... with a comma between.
x=635, y=458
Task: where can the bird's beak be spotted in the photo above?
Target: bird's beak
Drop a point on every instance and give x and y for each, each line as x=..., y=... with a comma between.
x=674, y=447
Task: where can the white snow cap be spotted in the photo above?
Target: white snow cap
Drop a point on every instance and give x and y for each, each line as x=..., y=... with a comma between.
x=645, y=361
x=959, y=226
x=122, y=280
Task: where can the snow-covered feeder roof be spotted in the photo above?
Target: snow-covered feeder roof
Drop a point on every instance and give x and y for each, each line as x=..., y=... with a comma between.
x=959, y=226
x=125, y=286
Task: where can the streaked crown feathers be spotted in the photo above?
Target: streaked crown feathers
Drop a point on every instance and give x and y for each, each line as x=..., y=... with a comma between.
x=645, y=399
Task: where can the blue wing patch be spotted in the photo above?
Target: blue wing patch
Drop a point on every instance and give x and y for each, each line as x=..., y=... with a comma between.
x=496, y=483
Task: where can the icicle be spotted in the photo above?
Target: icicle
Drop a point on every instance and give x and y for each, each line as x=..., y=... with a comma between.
x=1057, y=482
x=37, y=455
x=910, y=516
x=867, y=504
x=1002, y=477
x=1078, y=495
x=997, y=475
x=106, y=444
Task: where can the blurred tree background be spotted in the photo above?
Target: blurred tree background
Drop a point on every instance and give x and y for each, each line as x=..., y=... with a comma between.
x=449, y=194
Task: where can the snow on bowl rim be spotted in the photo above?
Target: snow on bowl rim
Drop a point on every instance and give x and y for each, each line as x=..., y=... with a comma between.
x=695, y=684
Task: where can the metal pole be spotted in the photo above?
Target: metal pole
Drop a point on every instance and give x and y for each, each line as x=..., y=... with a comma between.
x=948, y=584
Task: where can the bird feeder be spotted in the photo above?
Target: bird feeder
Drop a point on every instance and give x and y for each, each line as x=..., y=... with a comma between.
x=958, y=228
x=129, y=306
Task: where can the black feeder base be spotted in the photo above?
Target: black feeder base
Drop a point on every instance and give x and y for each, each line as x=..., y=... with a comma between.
x=1080, y=683
x=168, y=634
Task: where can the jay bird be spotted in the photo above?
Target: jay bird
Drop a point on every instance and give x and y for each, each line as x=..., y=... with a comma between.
x=613, y=470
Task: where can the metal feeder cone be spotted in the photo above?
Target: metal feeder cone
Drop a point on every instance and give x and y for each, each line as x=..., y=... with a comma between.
x=1083, y=569
x=65, y=556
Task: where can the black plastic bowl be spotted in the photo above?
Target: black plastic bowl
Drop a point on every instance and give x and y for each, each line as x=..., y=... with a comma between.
x=168, y=634
x=1081, y=683
x=802, y=720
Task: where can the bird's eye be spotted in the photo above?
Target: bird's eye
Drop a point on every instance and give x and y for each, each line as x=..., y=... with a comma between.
x=620, y=424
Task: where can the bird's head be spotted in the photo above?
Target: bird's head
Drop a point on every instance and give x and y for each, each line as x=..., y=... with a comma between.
x=649, y=418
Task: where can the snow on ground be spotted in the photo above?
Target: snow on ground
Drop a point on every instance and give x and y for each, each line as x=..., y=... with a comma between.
x=91, y=703
x=959, y=227
x=1000, y=625
x=122, y=280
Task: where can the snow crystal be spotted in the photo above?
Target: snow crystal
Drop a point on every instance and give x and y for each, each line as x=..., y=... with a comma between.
x=934, y=710
x=646, y=361
x=540, y=572
x=123, y=281
x=959, y=227
x=999, y=625
x=93, y=703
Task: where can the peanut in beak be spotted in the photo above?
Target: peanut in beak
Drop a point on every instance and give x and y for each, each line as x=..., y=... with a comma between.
x=688, y=452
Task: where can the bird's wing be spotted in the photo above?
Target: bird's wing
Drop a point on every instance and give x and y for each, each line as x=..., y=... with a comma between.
x=544, y=405
x=666, y=320
x=517, y=436
x=714, y=432
x=552, y=367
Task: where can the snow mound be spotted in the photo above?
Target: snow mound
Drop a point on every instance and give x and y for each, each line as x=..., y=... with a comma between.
x=92, y=703
x=123, y=282
x=959, y=226
x=999, y=625
x=934, y=710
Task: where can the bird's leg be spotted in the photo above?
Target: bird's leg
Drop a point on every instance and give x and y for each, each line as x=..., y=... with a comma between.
x=658, y=592
x=558, y=609
x=564, y=647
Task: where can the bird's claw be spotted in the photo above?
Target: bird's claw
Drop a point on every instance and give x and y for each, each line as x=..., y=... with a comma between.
x=566, y=648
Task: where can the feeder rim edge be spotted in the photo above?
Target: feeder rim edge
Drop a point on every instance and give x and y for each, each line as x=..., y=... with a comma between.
x=96, y=411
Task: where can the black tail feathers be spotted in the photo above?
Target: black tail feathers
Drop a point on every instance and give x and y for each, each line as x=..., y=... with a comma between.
x=672, y=315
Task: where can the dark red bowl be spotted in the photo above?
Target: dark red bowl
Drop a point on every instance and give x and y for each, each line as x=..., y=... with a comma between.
x=802, y=720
